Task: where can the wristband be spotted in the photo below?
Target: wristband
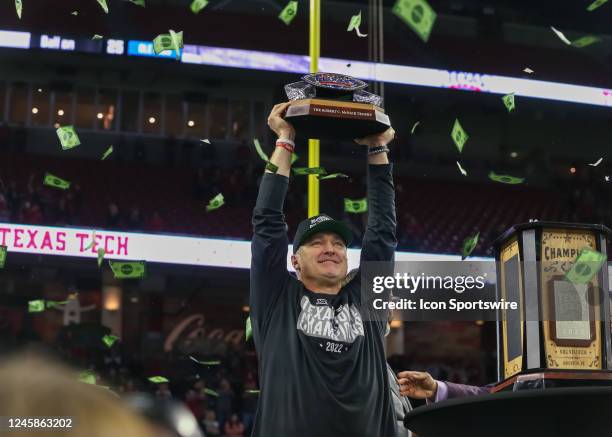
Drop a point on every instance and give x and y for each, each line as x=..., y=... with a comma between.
x=378, y=149
x=288, y=147
x=286, y=141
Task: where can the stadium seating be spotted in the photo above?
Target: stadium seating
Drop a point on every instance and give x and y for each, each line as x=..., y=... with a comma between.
x=433, y=215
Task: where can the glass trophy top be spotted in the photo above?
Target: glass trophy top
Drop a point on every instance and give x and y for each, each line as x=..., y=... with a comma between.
x=335, y=81
x=332, y=86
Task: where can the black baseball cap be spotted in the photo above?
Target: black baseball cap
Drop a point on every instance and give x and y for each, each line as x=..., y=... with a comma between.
x=320, y=223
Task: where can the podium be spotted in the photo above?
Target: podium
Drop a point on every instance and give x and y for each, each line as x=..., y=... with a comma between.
x=554, y=351
x=557, y=412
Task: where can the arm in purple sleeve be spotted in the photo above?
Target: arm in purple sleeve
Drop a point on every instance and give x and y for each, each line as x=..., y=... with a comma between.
x=451, y=390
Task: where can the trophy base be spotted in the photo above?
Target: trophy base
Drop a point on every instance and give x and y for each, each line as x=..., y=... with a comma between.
x=544, y=379
x=336, y=120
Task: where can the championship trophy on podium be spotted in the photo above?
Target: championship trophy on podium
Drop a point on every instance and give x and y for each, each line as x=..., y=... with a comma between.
x=554, y=350
x=334, y=106
x=560, y=334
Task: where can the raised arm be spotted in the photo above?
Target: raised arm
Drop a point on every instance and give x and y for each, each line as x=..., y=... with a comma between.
x=379, y=241
x=268, y=272
x=286, y=137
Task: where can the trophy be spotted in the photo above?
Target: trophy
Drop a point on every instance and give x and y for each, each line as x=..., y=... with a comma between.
x=560, y=334
x=334, y=106
x=554, y=347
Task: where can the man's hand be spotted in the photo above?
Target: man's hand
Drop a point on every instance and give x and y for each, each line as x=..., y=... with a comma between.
x=417, y=385
x=277, y=123
x=381, y=139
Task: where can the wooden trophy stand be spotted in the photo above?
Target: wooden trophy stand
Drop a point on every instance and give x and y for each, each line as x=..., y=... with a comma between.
x=538, y=346
x=555, y=369
x=335, y=119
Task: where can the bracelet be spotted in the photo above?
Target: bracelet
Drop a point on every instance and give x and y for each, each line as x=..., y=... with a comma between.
x=378, y=149
x=285, y=146
x=286, y=141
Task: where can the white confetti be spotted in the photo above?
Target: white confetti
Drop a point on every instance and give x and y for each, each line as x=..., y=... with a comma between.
x=561, y=36
x=596, y=163
x=463, y=172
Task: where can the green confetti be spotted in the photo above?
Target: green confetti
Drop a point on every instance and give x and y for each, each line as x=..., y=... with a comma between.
x=332, y=176
x=54, y=181
x=198, y=5
x=206, y=363
x=215, y=203
x=18, y=7
x=55, y=303
x=75, y=13
x=596, y=4
x=36, y=306
x=101, y=253
x=302, y=171
x=138, y=2
x=93, y=240
x=158, y=379
x=418, y=15
x=107, y=153
x=271, y=167
x=461, y=169
x=508, y=100
x=128, y=270
x=356, y=206
x=414, y=126
x=253, y=392
x=68, y=137
x=103, y=5
x=248, y=332
x=96, y=37
x=468, y=245
x=585, y=41
x=459, y=136
x=289, y=12
x=110, y=340
x=259, y=150
x=354, y=25
x=177, y=42
x=88, y=377
x=587, y=264
x=168, y=41
x=504, y=179
x=211, y=392
x=3, y=252
x=294, y=158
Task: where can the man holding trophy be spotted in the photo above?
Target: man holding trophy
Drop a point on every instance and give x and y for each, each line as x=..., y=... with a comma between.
x=322, y=366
